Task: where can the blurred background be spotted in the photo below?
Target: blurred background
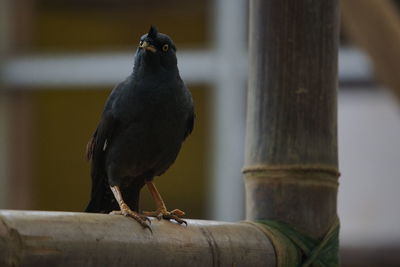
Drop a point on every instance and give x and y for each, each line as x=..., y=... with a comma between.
x=60, y=59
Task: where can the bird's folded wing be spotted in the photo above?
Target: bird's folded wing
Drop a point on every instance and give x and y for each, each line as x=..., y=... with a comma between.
x=101, y=138
x=97, y=147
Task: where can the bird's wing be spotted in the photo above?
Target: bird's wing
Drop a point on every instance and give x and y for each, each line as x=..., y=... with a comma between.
x=96, y=150
x=99, y=142
x=105, y=129
x=101, y=138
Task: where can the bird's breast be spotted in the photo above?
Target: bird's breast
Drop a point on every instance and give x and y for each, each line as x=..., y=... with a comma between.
x=152, y=130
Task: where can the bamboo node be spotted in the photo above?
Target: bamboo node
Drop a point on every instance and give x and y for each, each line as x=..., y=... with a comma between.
x=293, y=174
x=293, y=168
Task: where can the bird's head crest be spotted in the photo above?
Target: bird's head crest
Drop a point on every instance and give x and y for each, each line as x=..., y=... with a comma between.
x=152, y=32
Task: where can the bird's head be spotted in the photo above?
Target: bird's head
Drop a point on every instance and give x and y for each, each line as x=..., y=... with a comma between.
x=156, y=50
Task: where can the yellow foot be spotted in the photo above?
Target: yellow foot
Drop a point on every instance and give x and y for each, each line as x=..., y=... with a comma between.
x=168, y=215
x=126, y=211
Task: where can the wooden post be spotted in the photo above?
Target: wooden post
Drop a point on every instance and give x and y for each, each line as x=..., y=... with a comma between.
x=291, y=137
x=16, y=110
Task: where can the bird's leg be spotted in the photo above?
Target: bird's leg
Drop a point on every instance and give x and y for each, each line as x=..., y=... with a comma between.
x=162, y=211
x=126, y=211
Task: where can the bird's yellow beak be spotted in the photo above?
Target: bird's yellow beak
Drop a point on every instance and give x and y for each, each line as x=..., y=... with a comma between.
x=146, y=45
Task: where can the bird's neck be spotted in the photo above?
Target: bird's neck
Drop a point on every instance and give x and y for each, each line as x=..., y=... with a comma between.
x=155, y=72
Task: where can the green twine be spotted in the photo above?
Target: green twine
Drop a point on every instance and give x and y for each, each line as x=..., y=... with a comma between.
x=296, y=249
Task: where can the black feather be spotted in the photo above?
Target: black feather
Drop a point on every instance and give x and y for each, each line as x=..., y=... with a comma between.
x=152, y=32
x=145, y=120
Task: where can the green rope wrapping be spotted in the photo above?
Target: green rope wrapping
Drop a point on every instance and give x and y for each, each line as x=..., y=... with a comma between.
x=293, y=248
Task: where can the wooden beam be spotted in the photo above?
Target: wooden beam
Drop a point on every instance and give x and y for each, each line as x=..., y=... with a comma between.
x=291, y=139
x=16, y=107
x=375, y=27
x=32, y=238
x=5, y=45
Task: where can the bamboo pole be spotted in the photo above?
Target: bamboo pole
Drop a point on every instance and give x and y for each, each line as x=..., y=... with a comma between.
x=375, y=27
x=291, y=135
x=32, y=238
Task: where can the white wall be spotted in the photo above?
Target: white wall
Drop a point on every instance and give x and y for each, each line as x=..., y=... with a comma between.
x=369, y=156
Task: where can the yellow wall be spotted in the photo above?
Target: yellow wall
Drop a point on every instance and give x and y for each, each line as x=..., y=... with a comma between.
x=87, y=25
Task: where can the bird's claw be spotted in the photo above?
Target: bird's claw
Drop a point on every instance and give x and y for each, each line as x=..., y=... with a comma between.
x=143, y=220
x=168, y=215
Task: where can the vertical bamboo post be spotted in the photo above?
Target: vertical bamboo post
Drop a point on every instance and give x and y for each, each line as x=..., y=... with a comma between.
x=291, y=134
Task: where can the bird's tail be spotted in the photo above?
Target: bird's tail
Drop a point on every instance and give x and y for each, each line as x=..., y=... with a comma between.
x=103, y=200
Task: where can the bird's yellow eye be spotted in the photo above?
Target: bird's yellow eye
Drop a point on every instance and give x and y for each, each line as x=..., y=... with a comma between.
x=165, y=47
x=141, y=43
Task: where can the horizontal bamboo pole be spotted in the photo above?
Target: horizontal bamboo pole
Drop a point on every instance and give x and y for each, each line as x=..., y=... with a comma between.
x=36, y=238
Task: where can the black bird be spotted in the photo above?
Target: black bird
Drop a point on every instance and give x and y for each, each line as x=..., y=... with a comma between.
x=145, y=120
